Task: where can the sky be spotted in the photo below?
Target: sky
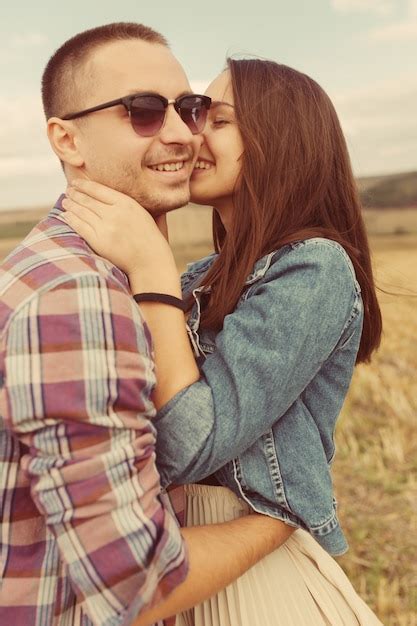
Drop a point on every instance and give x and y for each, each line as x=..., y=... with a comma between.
x=362, y=52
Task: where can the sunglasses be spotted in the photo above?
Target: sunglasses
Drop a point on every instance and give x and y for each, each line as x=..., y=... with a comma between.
x=147, y=111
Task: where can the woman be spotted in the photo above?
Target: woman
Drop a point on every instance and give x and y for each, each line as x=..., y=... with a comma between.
x=278, y=317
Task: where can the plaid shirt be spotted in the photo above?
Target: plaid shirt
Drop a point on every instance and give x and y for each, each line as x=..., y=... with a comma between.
x=85, y=536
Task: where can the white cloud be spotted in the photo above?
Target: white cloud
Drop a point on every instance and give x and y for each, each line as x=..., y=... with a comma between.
x=27, y=165
x=379, y=7
x=21, y=111
x=399, y=31
x=404, y=29
x=27, y=40
x=396, y=32
x=380, y=125
x=17, y=46
x=30, y=174
x=25, y=127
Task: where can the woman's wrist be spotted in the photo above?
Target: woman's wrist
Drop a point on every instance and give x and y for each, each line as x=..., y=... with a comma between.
x=160, y=280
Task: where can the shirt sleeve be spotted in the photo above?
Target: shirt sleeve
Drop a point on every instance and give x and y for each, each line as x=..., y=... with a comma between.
x=79, y=375
x=269, y=350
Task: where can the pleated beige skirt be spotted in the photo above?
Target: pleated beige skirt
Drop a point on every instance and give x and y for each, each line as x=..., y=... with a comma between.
x=299, y=584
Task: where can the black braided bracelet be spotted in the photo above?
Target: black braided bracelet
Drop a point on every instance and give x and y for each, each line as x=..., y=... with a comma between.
x=164, y=298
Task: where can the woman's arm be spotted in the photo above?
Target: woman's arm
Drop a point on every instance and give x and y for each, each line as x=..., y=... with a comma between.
x=116, y=227
x=269, y=350
x=174, y=360
x=270, y=347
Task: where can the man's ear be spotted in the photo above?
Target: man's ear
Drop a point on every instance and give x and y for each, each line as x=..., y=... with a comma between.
x=62, y=136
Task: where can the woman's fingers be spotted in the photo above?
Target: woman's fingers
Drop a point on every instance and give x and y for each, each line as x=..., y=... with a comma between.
x=82, y=199
x=85, y=230
x=83, y=213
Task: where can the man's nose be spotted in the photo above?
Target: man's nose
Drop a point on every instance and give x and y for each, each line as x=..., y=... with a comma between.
x=174, y=129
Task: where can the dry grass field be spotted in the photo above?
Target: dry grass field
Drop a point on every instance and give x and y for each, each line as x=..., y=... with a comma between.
x=375, y=469
x=376, y=465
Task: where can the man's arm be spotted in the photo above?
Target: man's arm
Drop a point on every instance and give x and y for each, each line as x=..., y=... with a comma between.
x=218, y=554
x=79, y=378
x=78, y=398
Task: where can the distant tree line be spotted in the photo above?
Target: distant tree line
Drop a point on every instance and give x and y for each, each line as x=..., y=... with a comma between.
x=394, y=191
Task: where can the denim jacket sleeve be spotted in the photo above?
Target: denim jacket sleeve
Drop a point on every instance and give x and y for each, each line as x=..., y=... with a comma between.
x=273, y=344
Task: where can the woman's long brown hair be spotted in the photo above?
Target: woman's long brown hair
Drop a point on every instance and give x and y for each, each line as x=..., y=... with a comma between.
x=296, y=183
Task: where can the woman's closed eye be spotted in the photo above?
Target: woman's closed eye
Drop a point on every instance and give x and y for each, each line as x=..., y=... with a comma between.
x=220, y=121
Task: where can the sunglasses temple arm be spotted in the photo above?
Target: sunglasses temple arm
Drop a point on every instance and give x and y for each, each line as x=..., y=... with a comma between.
x=100, y=107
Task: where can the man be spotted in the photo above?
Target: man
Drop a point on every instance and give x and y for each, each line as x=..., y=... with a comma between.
x=86, y=536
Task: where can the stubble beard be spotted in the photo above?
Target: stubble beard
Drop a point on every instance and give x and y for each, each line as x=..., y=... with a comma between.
x=156, y=203
x=164, y=202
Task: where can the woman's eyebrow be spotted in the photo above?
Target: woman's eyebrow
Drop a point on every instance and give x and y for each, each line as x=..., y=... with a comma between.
x=218, y=103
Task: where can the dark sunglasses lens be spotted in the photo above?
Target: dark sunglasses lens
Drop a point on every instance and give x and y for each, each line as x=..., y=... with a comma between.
x=193, y=112
x=147, y=115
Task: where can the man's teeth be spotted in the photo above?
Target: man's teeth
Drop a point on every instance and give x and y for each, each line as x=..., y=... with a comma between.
x=168, y=167
x=202, y=165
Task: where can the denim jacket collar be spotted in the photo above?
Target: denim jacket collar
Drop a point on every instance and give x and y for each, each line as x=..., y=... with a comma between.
x=194, y=270
x=193, y=276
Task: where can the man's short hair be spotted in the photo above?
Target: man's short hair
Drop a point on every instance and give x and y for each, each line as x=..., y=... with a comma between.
x=62, y=89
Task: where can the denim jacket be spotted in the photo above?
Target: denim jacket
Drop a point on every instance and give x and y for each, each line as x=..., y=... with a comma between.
x=273, y=381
